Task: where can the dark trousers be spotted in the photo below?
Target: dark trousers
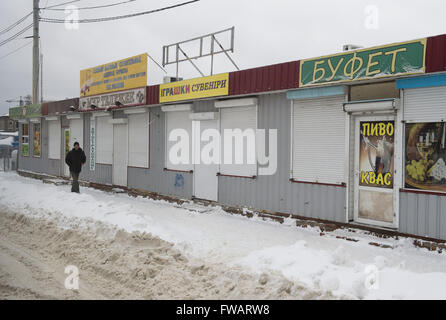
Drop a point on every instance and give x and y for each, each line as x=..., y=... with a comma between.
x=75, y=184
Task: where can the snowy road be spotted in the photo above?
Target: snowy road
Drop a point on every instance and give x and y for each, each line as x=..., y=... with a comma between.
x=324, y=266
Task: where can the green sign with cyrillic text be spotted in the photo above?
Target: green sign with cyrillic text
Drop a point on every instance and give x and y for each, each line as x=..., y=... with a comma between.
x=31, y=111
x=379, y=62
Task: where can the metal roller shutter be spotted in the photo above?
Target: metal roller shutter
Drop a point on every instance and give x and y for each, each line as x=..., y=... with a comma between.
x=425, y=104
x=238, y=118
x=319, y=140
x=104, y=140
x=54, y=139
x=77, y=132
x=178, y=120
x=139, y=140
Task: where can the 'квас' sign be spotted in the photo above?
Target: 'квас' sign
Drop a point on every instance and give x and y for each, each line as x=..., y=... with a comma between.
x=385, y=61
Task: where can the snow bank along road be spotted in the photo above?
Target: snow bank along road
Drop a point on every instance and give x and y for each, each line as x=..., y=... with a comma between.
x=129, y=247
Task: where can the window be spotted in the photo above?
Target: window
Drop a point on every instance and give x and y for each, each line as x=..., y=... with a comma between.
x=318, y=140
x=37, y=139
x=178, y=129
x=25, y=139
x=139, y=140
x=425, y=158
x=242, y=120
x=54, y=139
x=104, y=140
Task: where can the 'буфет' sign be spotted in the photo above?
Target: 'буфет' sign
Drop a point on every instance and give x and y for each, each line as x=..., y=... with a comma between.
x=119, y=75
x=385, y=61
x=205, y=87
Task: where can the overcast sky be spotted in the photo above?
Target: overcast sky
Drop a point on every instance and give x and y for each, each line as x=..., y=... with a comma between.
x=267, y=32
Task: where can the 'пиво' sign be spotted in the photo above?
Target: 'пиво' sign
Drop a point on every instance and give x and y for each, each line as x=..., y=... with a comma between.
x=385, y=61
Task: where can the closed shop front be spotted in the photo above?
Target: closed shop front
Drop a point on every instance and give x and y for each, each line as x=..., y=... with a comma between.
x=318, y=140
x=54, y=138
x=423, y=196
x=178, y=138
x=238, y=125
x=138, y=138
x=104, y=140
x=425, y=133
x=76, y=130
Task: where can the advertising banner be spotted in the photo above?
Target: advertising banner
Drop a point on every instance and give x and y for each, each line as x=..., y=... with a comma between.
x=67, y=141
x=92, y=144
x=426, y=156
x=36, y=139
x=25, y=149
x=31, y=111
x=129, y=98
x=205, y=87
x=115, y=76
x=385, y=61
x=376, y=158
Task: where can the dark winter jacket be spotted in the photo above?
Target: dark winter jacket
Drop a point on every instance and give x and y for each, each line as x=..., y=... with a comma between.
x=75, y=159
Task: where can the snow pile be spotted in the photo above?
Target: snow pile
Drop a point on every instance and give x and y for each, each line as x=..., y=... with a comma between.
x=116, y=264
x=9, y=134
x=7, y=141
x=320, y=263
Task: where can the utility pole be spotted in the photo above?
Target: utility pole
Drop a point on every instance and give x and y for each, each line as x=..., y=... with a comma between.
x=41, y=78
x=36, y=54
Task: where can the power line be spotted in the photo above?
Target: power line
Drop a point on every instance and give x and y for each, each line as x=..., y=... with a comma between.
x=60, y=4
x=52, y=20
x=94, y=7
x=15, y=23
x=6, y=55
x=16, y=35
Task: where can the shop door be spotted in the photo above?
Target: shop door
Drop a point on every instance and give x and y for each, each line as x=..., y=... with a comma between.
x=205, y=173
x=66, y=149
x=374, y=171
x=120, y=155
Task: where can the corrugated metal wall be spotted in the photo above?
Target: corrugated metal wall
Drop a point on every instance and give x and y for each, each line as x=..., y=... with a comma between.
x=59, y=107
x=436, y=54
x=269, y=78
x=423, y=215
x=276, y=192
x=38, y=164
x=156, y=179
x=153, y=95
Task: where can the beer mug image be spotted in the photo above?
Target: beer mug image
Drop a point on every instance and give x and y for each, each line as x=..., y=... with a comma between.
x=384, y=154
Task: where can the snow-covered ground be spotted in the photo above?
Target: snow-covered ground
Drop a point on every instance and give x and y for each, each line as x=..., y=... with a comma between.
x=325, y=263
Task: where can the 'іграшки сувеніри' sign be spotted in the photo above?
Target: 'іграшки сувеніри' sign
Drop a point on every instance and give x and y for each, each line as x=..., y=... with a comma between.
x=385, y=61
x=205, y=87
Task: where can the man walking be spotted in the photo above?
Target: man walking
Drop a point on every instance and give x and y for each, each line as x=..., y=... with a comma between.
x=75, y=159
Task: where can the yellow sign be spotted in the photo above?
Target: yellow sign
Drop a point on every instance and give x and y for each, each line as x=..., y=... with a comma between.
x=119, y=75
x=205, y=87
